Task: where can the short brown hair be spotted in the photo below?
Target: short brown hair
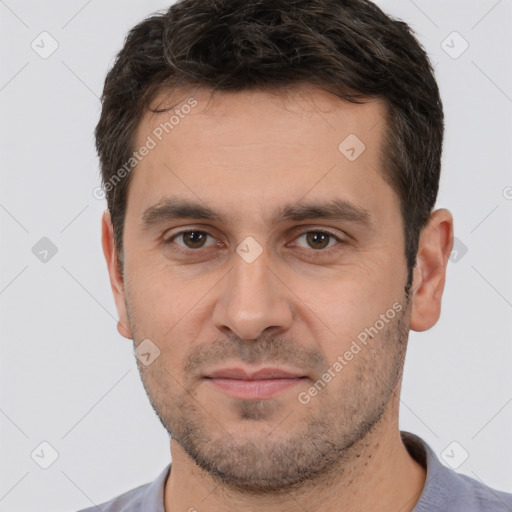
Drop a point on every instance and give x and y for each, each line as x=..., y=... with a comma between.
x=347, y=47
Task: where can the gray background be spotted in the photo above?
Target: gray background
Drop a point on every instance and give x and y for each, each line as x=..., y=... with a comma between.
x=69, y=379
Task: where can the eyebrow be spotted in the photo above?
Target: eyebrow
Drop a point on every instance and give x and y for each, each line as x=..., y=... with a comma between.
x=170, y=208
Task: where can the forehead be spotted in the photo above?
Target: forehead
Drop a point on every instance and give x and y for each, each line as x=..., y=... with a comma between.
x=258, y=147
x=284, y=111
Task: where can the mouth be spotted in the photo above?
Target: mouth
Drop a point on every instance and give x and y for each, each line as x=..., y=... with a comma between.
x=264, y=383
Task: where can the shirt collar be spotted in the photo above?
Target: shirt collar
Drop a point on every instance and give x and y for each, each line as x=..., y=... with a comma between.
x=154, y=495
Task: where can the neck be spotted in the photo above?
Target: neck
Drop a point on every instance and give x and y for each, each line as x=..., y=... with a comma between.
x=378, y=474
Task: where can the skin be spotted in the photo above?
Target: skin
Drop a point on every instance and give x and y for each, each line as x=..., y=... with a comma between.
x=298, y=305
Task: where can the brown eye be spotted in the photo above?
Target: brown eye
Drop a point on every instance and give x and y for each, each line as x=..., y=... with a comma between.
x=194, y=239
x=318, y=240
x=190, y=239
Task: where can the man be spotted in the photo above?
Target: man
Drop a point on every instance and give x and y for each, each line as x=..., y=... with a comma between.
x=271, y=170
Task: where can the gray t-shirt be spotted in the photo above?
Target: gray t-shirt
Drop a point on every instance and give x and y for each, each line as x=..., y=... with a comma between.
x=444, y=490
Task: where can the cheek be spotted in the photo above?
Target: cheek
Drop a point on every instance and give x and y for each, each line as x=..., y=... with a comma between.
x=156, y=304
x=341, y=307
x=168, y=310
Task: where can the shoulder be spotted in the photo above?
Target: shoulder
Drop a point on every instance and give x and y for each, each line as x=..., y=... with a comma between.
x=451, y=491
x=143, y=498
x=448, y=491
x=129, y=501
x=483, y=498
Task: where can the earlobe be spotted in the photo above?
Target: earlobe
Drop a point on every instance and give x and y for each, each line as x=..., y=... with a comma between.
x=116, y=279
x=434, y=249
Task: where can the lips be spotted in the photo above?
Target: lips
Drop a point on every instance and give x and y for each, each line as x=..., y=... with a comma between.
x=262, y=374
x=262, y=384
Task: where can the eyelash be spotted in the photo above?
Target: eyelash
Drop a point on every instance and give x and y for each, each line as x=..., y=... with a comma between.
x=185, y=250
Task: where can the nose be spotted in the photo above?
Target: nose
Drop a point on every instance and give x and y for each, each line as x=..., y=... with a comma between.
x=253, y=301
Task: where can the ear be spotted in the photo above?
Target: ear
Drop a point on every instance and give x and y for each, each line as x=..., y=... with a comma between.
x=116, y=279
x=434, y=249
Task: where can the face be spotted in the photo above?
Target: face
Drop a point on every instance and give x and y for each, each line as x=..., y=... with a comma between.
x=253, y=240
